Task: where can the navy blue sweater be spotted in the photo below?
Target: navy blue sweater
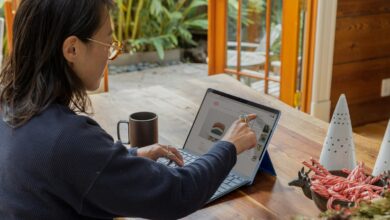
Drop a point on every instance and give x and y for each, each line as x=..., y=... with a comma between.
x=61, y=165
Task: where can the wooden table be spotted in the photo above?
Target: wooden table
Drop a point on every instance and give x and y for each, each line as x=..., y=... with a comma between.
x=298, y=137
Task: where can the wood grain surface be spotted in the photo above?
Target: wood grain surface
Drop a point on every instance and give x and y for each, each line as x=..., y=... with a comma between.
x=361, y=58
x=298, y=137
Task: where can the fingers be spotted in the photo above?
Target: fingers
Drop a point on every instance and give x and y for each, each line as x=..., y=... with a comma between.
x=178, y=158
x=172, y=154
x=241, y=134
x=156, y=151
x=252, y=137
x=251, y=116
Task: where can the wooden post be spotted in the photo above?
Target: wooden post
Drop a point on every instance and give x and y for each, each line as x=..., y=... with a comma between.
x=289, y=51
x=267, y=45
x=9, y=22
x=308, y=59
x=217, y=18
x=106, y=79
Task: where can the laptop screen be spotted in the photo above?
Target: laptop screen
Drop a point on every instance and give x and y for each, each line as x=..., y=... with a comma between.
x=217, y=113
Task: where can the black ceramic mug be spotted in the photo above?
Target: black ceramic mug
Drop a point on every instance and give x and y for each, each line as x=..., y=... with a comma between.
x=142, y=127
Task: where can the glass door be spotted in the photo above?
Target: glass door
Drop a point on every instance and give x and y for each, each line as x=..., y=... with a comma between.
x=254, y=30
x=266, y=44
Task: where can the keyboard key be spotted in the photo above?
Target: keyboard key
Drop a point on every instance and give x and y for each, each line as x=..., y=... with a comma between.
x=232, y=184
x=236, y=181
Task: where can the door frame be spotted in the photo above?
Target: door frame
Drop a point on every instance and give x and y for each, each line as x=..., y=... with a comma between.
x=217, y=40
x=318, y=54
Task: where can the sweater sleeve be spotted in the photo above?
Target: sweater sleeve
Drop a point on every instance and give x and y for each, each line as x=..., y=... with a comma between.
x=133, y=151
x=138, y=187
x=102, y=179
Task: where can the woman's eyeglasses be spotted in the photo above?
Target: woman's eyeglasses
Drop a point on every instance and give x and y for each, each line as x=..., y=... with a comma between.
x=115, y=48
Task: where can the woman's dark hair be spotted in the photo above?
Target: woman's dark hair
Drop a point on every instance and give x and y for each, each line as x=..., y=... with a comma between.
x=36, y=73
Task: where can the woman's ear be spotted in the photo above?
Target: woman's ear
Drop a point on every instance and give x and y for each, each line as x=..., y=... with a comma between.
x=70, y=48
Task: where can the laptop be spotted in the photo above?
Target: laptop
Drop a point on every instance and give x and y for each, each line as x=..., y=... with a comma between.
x=216, y=114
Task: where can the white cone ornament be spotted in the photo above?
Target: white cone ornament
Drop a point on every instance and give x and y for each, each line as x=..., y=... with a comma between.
x=338, y=150
x=382, y=163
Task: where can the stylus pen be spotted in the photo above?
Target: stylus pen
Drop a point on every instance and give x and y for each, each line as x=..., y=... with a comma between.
x=170, y=162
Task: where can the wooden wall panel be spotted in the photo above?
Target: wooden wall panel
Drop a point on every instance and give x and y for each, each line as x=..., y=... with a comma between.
x=360, y=81
x=348, y=8
x=362, y=37
x=362, y=58
x=371, y=111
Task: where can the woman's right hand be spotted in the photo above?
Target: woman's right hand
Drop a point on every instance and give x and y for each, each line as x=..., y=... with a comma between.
x=241, y=135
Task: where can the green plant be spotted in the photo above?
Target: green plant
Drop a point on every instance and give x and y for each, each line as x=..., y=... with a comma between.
x=5, y=46
x=146, y=25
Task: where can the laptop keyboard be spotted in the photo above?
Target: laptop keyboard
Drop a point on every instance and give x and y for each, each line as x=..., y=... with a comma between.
x=231, y=182
x=188, y=158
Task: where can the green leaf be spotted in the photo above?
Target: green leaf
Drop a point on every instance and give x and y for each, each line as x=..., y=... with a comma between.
x=185, y=33
x=197, y=24
x=170, y=28
x=180, y=4
x=176, y=15
x=156, y=8
x=199, y=16
x=186, y=36
x=193, y=6
x=196, y=3
x=193, y=43
x=173, y=39
x=158, y=45
x=170, y=3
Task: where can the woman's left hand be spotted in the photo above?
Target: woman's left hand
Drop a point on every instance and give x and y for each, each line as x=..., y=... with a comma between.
x=156, y=151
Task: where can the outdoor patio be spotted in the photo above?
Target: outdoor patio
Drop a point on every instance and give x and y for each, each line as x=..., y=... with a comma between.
x=172, y=76
x=169, y=76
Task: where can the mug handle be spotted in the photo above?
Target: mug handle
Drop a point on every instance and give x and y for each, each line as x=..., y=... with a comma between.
x=118, y=130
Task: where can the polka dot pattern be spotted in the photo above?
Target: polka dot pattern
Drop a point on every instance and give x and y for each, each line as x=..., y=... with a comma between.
x=338, y=150
x=382, y=163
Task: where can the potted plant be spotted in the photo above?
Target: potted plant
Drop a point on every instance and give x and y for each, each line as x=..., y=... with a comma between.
x=156, y=26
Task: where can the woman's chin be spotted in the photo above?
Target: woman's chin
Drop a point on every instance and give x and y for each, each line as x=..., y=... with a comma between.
x=94, y=87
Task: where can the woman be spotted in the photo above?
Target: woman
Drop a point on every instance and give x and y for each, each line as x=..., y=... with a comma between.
x=55, y=164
